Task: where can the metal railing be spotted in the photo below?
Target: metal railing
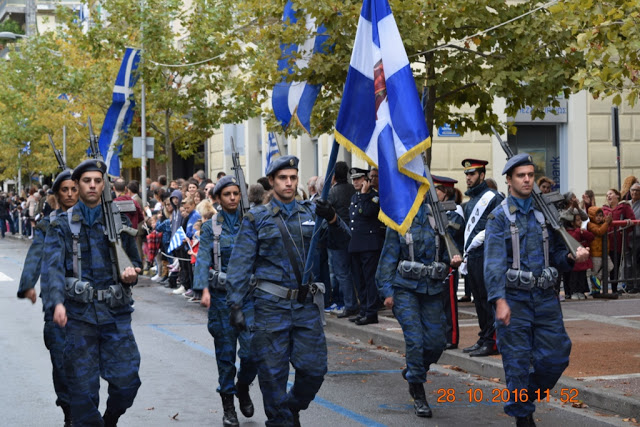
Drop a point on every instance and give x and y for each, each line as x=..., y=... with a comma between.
x=625, y=235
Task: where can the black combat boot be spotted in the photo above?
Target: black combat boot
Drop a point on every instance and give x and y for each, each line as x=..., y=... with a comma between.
x=296, y=418
x=110, y=419
x=230, y=418
x=244, y=400
x=67, y=416
x=420, y=405
x=525, y=421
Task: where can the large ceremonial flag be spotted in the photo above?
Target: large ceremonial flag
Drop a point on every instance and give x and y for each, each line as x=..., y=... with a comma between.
x=295, y=99
x=120, y=114
x=272, y=150
x=381, y=119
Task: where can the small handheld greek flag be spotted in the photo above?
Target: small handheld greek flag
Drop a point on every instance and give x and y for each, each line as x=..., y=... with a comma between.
x=295, y=99
x=381, y=119
x=272, y=150
x=177, y=239
x=120, y=114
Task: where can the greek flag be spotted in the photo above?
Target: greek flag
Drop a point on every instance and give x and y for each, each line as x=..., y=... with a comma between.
x=120, y=114
x=177, y=239
x=272, y=150
x=380, y=117
x=295, y=99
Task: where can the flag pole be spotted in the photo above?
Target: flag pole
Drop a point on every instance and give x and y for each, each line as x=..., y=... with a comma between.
x=316, y=229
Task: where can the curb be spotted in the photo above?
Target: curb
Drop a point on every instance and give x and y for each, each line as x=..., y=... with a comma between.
x=592, y=395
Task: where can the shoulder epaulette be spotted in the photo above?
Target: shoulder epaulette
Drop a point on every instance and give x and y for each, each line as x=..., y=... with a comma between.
x=491, y=216
x=250, y=216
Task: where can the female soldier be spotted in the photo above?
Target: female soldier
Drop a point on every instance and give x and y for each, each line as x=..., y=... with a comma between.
x=410, y=278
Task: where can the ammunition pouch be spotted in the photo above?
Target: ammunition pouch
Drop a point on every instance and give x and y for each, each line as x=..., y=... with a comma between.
x=79, y=291
x=525, y=280
x=218, y=281
x=412, y=270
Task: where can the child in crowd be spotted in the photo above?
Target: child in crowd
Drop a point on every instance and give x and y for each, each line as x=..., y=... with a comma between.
x=578, y=275
x=598, y=226
x=193, y=252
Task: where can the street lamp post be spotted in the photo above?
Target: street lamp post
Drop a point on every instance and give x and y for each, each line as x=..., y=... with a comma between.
x=11, y=36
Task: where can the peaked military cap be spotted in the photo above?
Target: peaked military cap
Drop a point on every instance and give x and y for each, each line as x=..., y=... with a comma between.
x=521, y=159
x=471, y=165
x=358, y=173
x=444, y=181
x=88, y=166
x=65, y=175
x=224, y=182
x=284, y=162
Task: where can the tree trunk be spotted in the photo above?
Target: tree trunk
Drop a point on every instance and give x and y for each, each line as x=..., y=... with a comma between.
x=168, y=149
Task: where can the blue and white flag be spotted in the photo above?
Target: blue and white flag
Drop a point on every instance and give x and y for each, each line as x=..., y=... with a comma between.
x=295, y=99
x=177, y=239
x=272, y=150
x=120, y=114
x=380, y=117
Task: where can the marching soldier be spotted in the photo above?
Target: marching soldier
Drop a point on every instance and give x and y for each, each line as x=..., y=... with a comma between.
x=520, y=275
x=273, y=242
x=217, y=238
x=446, y=191
x=367, y=238
x=410, y=278
x=482, y=201
x=66, y=193
x=92, y=301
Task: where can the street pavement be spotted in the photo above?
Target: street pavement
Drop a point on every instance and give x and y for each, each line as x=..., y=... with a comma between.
x=363, y=386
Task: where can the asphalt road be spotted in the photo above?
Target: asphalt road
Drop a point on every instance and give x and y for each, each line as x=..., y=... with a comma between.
x=179, y=376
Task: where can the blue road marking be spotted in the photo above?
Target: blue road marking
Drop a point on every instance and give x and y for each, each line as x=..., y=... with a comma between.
x=320, y=401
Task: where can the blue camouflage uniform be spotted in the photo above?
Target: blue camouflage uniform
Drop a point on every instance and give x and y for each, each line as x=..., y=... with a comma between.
x=285, y=330
x=225, y=337
x=54, y=335
x=535, y=346
x=417, y=302
x=100, y=340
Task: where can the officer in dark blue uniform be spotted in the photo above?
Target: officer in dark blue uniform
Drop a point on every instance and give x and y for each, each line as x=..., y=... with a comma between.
x=273, y=242
x=520, y=275
x=217, y=237
x=367, y=238
x=482, y=200
x=92, y=301
x=66, y=192
x=447, y=192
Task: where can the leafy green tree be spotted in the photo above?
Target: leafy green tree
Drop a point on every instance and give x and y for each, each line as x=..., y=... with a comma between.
x=607, y=33
x=523, y=61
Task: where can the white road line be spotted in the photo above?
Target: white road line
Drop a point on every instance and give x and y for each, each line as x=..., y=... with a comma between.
x=5, y=278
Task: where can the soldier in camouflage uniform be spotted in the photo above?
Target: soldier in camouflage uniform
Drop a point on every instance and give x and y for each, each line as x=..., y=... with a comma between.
x=92, y=304
x=287, y=326
x=66, y=192
x=530, y=330
x=410, y=279
x=222, y=229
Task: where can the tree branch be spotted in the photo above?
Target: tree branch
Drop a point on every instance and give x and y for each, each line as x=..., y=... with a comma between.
x=461, y=88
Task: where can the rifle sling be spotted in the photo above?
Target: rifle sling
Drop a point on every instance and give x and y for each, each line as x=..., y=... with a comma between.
x=288, y=244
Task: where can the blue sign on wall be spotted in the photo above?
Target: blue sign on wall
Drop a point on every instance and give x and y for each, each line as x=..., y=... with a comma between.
x=446, y=131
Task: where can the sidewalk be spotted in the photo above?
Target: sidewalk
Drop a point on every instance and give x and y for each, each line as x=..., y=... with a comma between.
x=605, y=358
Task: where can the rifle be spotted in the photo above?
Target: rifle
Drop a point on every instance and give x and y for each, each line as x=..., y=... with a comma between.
x=237, y=169
x=113, y=226
x=545, y=204
x=61, y=164
x=439, y=211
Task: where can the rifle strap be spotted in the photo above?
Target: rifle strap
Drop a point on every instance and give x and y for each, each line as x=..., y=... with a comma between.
x=74, y=226
x=288, y=244
x=515, y=235
x=217, y=231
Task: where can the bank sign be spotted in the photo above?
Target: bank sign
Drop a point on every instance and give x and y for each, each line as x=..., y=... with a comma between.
x=557, y=114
